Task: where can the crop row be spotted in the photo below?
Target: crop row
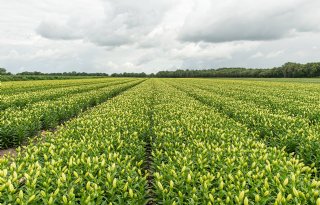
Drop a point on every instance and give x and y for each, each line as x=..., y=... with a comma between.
x=276, y=130
x=17, y=125
x=199, y=155
x=15, y=87
x=203, y=157
x=294, y=100
x=96, y=158
x=22, y=99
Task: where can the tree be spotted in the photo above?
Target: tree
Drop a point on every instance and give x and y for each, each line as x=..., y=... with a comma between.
x=3, y=71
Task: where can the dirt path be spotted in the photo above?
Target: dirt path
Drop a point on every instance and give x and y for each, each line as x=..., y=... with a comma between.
x=149, y=159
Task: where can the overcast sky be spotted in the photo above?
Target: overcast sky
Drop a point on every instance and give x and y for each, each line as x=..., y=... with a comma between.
x=151, y=35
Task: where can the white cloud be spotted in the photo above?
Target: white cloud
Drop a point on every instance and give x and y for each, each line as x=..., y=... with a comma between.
x=275, y=54
x=212, y=51
x=257, y=55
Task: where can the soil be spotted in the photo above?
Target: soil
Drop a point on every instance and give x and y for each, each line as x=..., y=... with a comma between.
x=9, y=151
x=40, y=137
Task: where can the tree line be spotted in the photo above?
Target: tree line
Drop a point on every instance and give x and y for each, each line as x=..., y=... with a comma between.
x=35, y=75
x=73, y=73
x=137, y=75
x=288, y=70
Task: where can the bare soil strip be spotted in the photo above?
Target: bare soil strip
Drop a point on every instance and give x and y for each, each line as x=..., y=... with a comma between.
x=9, y=151
x=149, y=160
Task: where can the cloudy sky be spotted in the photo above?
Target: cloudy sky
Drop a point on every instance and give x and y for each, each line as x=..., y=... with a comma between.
x=151, y=35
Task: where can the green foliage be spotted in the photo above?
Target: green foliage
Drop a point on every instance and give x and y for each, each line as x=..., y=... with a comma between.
x=288, y=70
x=7, y=77
x=3, y=71
x=96, y=158
x=22, y=99
x=17, y=124
x=73, y=73
x=212, y=142
x=282, y=115
x=202, y=156
x=134, y=75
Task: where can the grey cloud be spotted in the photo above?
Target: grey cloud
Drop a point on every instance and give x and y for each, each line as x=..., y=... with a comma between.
x=101, y=36
x=255, y=24
x=56, y=31
x=123, y=22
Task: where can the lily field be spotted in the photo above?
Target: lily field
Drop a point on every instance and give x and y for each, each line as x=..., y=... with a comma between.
x=160, y=141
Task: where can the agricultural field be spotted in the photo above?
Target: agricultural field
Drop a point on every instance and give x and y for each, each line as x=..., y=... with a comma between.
x=160, y=141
